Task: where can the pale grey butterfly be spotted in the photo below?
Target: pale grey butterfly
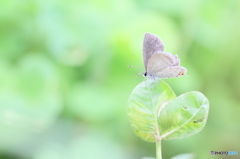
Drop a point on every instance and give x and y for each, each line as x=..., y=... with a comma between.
x=159, y=64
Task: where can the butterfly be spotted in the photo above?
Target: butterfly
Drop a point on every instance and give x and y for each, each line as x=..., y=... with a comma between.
x=159, y=64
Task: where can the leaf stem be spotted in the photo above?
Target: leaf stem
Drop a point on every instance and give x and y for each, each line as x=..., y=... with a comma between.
x=158, y=150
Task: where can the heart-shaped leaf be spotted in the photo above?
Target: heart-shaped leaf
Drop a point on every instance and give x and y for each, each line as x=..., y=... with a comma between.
x=156, y=113
x=183, y=116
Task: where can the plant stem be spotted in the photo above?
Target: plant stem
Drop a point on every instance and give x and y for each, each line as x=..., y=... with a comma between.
x=158, y=150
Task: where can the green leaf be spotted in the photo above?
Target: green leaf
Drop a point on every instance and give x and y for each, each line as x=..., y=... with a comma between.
x=183, y=116
x=156, y=113
x=143, y=105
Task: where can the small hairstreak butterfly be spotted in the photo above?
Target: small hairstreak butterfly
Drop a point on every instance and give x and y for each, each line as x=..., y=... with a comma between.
x=159, y=64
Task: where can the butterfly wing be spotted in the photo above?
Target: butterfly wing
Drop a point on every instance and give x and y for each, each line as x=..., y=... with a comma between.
x=160, y=61
x=170, y=72
x=151, y=45
x=177, y=61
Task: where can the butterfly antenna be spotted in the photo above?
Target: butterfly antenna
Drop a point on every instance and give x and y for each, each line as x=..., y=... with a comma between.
x=134, y=66
x=140, y=73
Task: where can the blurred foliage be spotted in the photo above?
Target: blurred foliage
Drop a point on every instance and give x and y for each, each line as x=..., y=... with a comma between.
x=64, y=80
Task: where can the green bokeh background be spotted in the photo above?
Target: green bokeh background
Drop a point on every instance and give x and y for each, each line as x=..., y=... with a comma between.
x=64, y=80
